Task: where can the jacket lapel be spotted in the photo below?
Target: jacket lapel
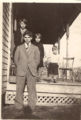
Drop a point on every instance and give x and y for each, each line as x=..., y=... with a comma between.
x=29, y=51
x=24, y=49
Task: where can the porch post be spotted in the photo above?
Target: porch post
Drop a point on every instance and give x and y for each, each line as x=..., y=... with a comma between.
x=9, y=44
x=67, y=38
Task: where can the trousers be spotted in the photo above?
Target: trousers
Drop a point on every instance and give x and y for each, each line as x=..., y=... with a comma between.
x=30, y=80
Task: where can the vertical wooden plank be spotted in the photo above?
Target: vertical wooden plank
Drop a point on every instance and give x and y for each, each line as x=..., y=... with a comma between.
x=9, y=44
x=0, y=45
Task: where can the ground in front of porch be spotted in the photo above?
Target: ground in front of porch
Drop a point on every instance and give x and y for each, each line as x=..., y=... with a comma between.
x=44, y=112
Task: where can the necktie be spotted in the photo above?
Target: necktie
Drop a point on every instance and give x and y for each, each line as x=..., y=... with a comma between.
x=27, y=48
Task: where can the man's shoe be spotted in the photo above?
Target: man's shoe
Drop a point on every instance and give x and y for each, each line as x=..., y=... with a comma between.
x=28, y=110
x=34, y=113
x=54, y=81
x=18, y=112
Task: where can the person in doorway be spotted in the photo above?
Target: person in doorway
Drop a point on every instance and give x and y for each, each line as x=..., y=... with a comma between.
x=27, y=59
x=38, y=39
x=18, y=35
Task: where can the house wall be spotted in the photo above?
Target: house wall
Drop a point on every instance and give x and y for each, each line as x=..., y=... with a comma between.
x=6, y=44
x=74, y=42
x=0, y=51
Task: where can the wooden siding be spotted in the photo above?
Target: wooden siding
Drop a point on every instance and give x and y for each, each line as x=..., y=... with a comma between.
x=5, y=45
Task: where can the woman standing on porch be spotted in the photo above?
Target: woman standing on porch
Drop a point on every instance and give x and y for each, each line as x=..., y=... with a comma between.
x=38, y=43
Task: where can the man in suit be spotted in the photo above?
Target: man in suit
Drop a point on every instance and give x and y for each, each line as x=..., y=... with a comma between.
x=27, y=59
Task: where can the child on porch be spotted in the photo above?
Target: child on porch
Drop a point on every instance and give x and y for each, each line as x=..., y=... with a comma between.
x=53, y=63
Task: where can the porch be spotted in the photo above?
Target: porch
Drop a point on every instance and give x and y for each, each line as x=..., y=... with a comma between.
x=60, y=100
x=49, y=93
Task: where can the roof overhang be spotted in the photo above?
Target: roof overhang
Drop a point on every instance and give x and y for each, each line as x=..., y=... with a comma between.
x=50, y=19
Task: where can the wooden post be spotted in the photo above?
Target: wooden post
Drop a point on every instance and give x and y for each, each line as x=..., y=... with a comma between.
x=67, y=38
x=15, y=25
x=58, y=45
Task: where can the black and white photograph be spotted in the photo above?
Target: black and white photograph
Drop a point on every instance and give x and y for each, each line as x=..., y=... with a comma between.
x=40, y=60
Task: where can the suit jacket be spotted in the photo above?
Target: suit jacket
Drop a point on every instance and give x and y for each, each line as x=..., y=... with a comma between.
x=27, y=60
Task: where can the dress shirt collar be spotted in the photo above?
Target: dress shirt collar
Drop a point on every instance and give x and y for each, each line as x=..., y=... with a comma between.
x=27, y=46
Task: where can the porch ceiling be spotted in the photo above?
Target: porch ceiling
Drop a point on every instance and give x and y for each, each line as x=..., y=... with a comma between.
x=49, y=19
